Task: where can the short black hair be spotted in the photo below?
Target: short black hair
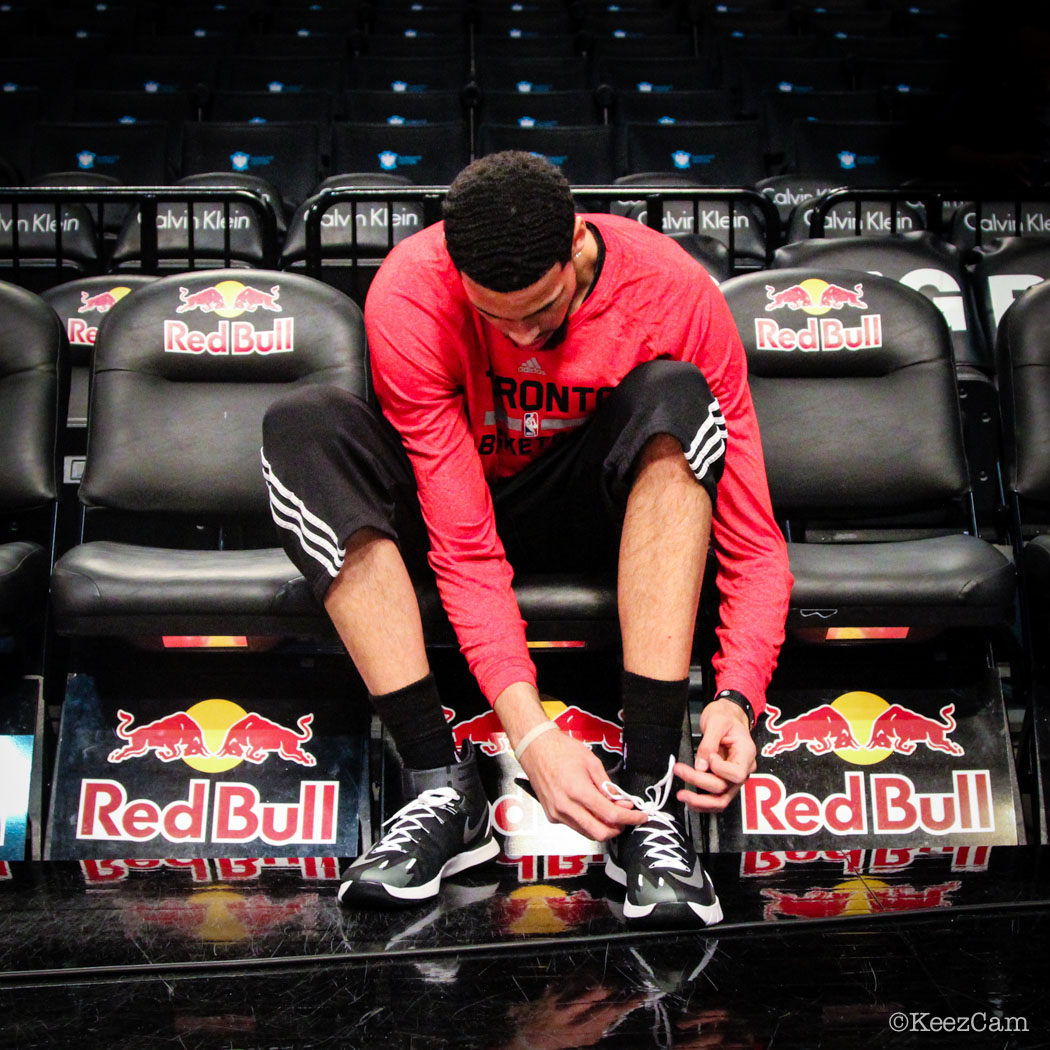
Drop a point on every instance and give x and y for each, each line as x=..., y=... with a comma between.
x=509, y=217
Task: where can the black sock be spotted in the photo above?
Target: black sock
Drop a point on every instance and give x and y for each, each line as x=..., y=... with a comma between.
x=653, y=712
x=414, y=718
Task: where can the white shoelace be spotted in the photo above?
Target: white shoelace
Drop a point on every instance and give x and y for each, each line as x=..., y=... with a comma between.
x=410, y=818
x=663, y=839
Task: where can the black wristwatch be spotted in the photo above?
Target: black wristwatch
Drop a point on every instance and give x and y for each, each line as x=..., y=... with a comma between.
x=741, y=701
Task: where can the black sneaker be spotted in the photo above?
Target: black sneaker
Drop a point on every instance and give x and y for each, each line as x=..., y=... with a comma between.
x=666, y=883
x=446, y=828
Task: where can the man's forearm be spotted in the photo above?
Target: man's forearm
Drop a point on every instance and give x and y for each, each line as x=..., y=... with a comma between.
x=519, y=709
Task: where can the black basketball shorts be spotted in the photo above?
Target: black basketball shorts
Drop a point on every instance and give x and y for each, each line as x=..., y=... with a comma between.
x=334, y=465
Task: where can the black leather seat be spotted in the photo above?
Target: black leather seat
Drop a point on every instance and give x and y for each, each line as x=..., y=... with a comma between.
x=32, y=399
x=854, y=386
x=1003, y=269
x=354, y=238
x=1023, y=355
x=253, y=230
x=178, y=532
x=933, y=266
x=585, y=153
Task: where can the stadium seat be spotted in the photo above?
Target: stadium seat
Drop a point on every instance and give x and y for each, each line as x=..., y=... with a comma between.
x=32, y=401
x=541, y=110
x=288, y=155
x=407, y=75
x=655, y=76
x=780, y=110
x=56, y=242
x=366, y=106
x=973, y=224
x=586, y=154
x=671, y=107
x=354, y=241
x=933, y=266
x=428, y=154
x=253, y=232
x=853, y=153
x=1002, y=270
x=854, y=386
x=263, y=107
x=533, y=75
x=1024, y=385
x=178, y=535
x=703, y=228
x=136, y=154
x=724, y=153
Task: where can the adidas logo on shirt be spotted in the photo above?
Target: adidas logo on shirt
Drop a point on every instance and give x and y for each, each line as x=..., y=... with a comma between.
x=532, y=366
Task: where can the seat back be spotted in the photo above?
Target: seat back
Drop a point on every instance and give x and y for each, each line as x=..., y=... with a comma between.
x=854, y=386
x=286, y=154
x=1002, y=270
x=1023, y=356
x=920, y=260
x=428, y=154
x=721, y=153
x=32, y=390
x=183, y=372
x=586, y=154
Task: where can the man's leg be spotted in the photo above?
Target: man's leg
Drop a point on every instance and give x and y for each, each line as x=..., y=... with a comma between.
x=660, y=443
x=341, y=491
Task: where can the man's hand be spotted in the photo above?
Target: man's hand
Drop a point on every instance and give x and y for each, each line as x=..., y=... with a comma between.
x=567, y=778
x=724, y=759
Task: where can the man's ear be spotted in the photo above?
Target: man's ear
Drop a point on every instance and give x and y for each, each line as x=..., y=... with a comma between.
x=579, y=233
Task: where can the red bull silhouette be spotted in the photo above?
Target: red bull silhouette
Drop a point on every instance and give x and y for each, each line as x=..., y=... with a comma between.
x=820, y=730
x=207, y=300
x=794, y=298
x=101, y=303
x=908, y=898
x=837, y=297
x=902, y=730
x=251, y=299
x=254, y=737
x=813, y=904
x=590, y=729
x=170, y=738
x=485, y=731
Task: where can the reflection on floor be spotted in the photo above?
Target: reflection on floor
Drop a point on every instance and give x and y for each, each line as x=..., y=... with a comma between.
x=817, y=950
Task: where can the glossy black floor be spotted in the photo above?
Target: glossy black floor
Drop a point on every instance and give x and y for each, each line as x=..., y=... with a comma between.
x=939, y=947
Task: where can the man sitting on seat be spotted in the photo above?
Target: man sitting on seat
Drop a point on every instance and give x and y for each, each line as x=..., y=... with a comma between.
x=558, y=392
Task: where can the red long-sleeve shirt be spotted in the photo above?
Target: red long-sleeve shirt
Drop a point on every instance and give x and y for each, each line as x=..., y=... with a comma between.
x=436, y=365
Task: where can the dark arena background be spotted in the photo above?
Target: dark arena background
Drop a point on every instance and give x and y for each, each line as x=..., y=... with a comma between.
x=194, y=197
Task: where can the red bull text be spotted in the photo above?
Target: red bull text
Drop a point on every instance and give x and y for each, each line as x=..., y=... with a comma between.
x=231, y=337
x=821, y=333
x=878, y=803
x=237, y=814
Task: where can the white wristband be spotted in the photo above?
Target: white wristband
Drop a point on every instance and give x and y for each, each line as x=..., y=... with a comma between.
x=531, y=735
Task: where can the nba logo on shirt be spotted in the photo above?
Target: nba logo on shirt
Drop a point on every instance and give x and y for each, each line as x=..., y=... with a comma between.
x=532, y=424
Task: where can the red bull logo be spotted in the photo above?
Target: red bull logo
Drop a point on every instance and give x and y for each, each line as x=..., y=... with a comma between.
x=817, y=298
x=861, y=728
x=228, y=300
x=213, y=736
x=857, y=897
x=486, y=731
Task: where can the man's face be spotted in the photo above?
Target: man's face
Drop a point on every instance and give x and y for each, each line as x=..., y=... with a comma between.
x=534, y=317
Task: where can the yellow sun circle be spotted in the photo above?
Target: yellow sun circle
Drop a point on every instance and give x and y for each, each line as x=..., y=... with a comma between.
x=229, y=290
x=815, y=287
x=214, y=717
x=861, y=709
